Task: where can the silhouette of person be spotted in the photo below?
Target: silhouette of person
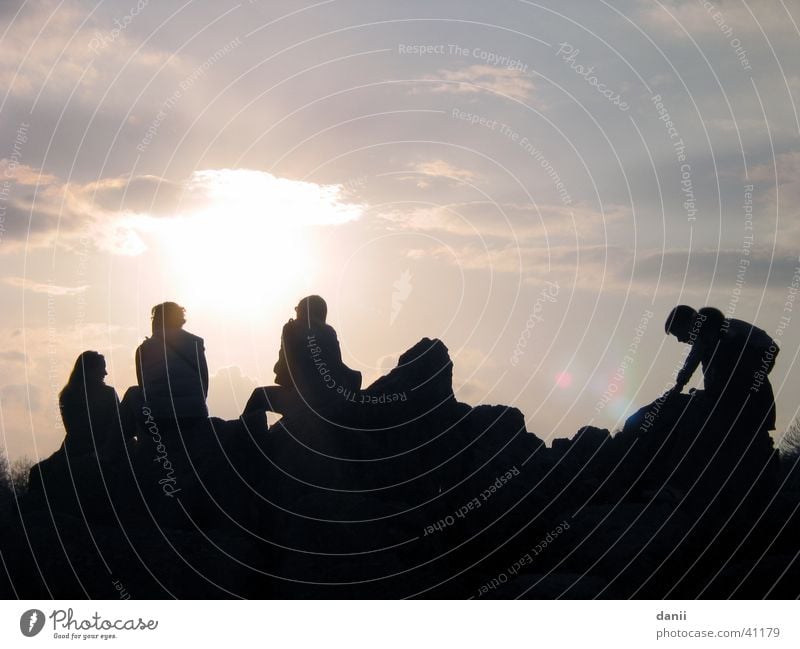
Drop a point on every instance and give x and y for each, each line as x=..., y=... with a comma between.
x=736, y=358
x=171, y=368
x=310, y=370
x=89, y=408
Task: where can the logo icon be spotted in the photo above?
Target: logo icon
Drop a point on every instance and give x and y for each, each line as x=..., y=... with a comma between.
x=31, y=622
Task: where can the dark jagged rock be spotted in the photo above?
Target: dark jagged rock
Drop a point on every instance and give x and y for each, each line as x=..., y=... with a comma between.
x=422, y=380
x=414, y=496
x=586, y=442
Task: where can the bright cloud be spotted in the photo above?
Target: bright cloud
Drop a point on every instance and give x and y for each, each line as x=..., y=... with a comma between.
x=120, y=214
x=486, y=78
x=40, y=287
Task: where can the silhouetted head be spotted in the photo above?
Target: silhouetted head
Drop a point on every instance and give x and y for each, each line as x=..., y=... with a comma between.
x=312, y=309
x=710, y=324
x=88, y=372
x=680, y=321
x=167, y=315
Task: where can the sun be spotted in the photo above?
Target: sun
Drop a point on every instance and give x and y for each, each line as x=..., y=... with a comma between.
x=238, y=264
x=244, y=238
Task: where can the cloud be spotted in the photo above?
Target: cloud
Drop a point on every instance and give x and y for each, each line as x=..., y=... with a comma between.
x=594, y=267
x=13, y=356
x=21, y=395
x=21, y=221
x=119, y=213
x=146, y=194
x=779, y=197
x=469, y=364
x=506, y=258
x=442, y=169
x=229, y=390
x=33, y=205
x=714, y=17
x=54, y=49
x=785, y=172
x=279, y=201
x=515, y=221
x=745, y=125
x=476, y=79
x=24, y=174
x=725, y=268
x=48, y=289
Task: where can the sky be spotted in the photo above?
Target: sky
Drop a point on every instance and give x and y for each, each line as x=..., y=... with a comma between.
x=535, y=183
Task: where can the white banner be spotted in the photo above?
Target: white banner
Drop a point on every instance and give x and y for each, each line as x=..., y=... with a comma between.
x=404, y=625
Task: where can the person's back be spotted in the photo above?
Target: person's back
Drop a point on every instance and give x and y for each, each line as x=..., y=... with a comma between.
x=745, y=356
x=171, y=368
x=744, y=336
x=89, y=407
x=310, y=371
x=731, y=356
x=311, y=361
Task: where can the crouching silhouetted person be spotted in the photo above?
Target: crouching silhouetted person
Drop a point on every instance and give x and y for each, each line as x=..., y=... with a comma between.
x=719, y=447
x=736, y=358
x=310, y=372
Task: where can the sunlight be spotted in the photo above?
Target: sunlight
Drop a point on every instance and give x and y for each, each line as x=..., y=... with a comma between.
x=243, y=239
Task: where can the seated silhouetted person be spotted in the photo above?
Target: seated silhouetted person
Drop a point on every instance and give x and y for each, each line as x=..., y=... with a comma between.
x=89, y=409
x=310, y=372
x=171, y=369
x=736, y=358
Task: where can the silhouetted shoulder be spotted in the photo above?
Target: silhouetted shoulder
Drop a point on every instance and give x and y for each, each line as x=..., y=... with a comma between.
x=326, y=332
x=747, y=333
x=186, y=337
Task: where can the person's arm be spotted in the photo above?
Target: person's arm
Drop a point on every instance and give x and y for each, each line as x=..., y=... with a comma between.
x=203, y=367
x=111, y=402
x=137, y=359
x=689, y=366
x=334, y=350
x=347, y=376
x=283, y=373
x=106, y=423
x=280, y=369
